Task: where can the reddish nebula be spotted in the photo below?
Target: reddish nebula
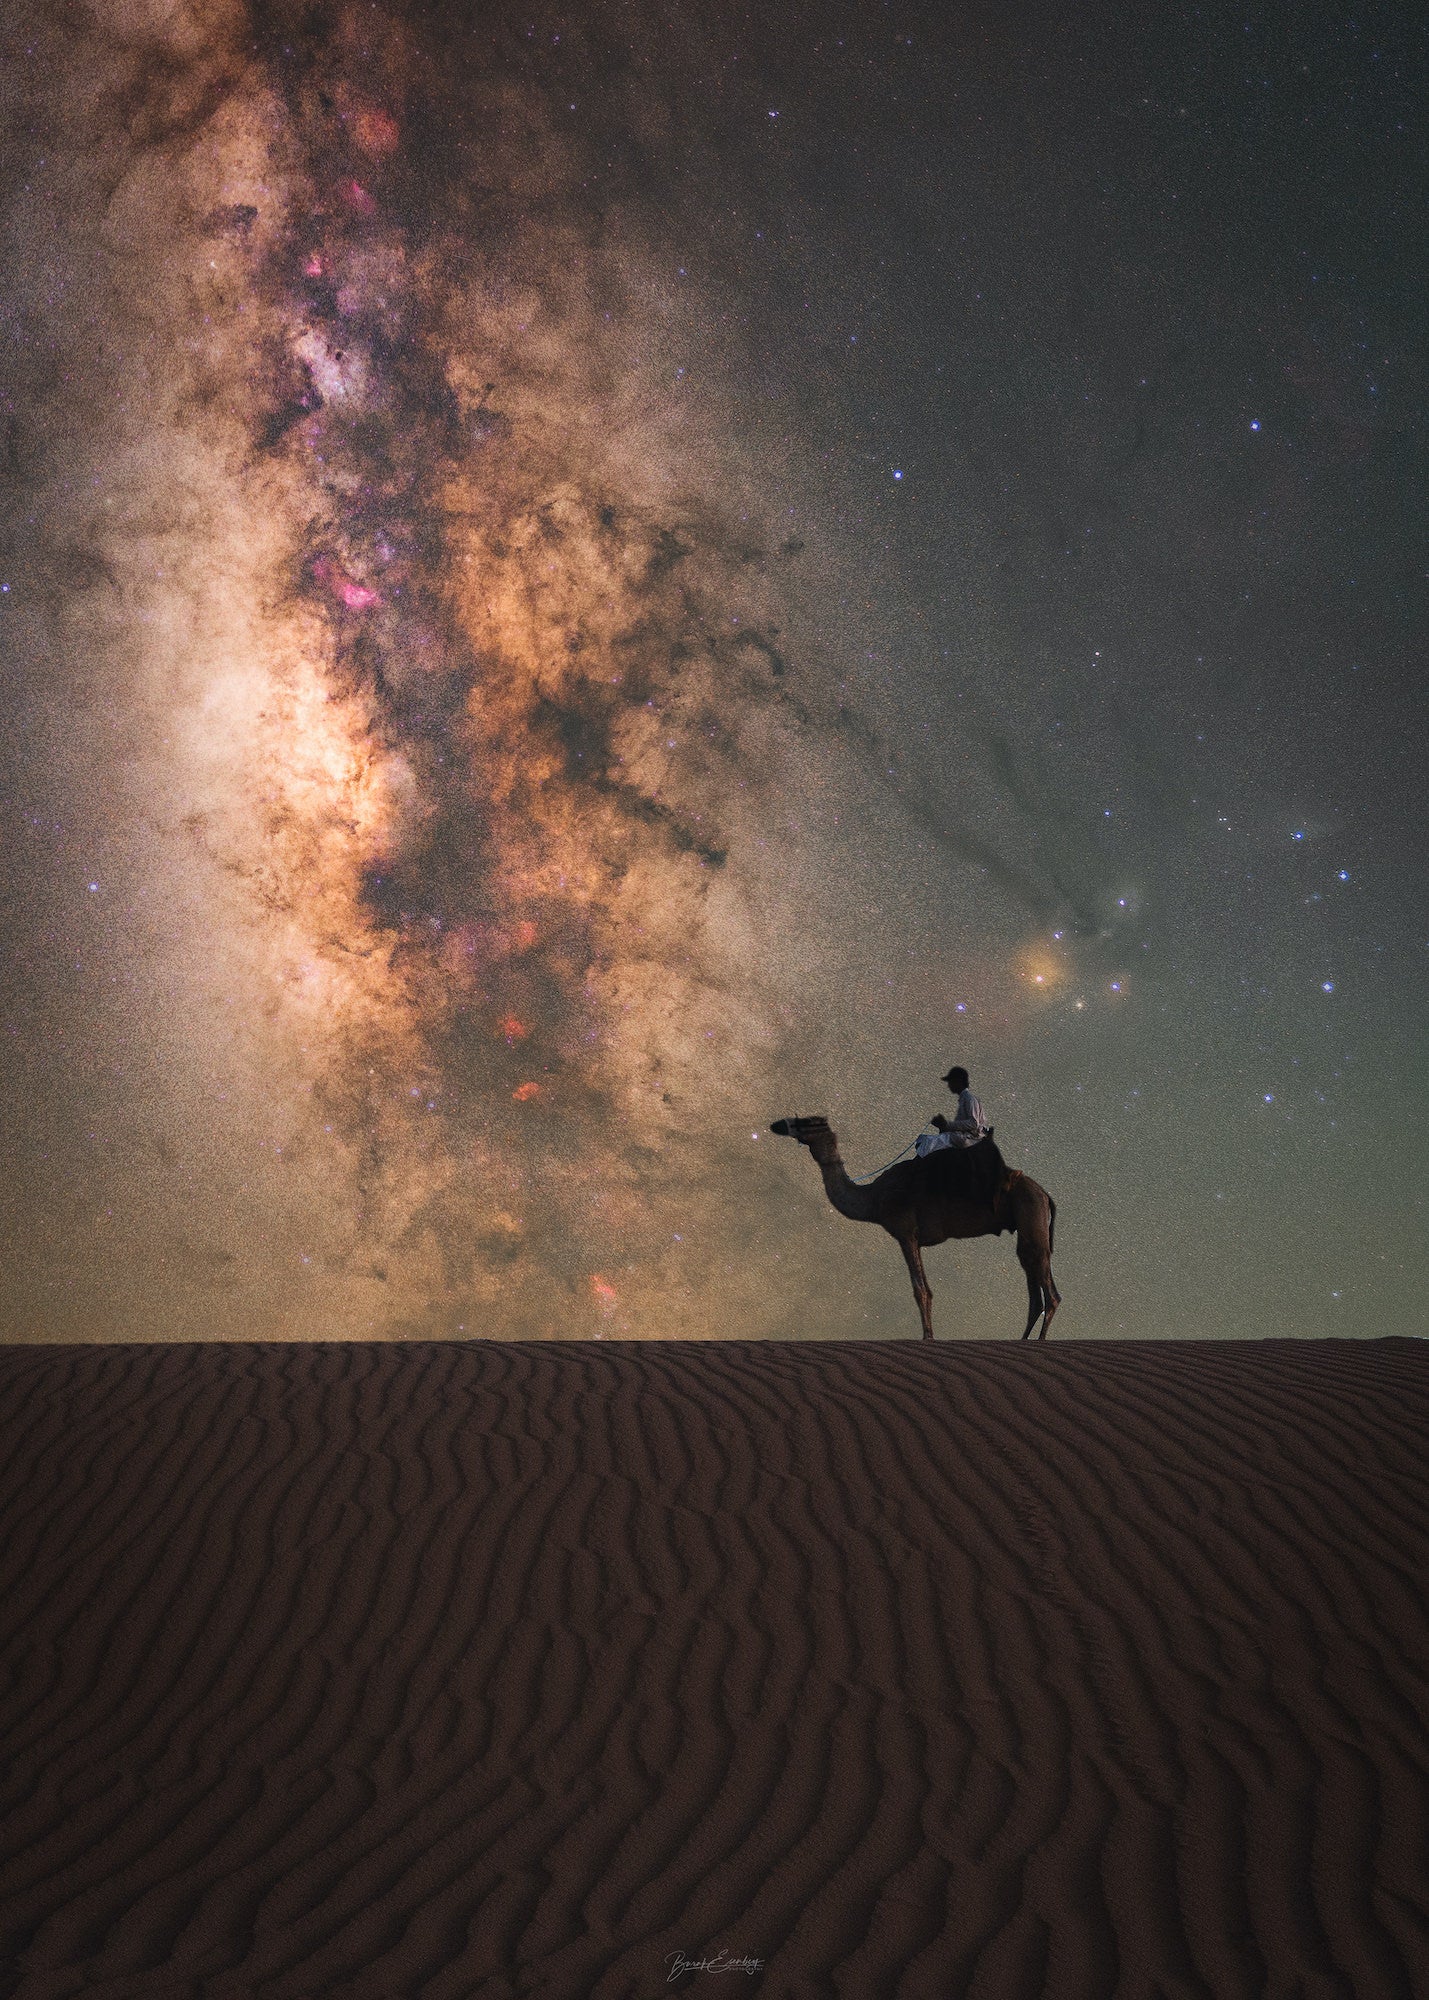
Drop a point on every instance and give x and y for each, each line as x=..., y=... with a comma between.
x=356, y=596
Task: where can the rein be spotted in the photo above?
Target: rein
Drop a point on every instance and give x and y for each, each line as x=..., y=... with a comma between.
x=862, y=1180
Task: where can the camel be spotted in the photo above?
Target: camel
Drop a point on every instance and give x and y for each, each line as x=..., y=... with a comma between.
x=927, y=1201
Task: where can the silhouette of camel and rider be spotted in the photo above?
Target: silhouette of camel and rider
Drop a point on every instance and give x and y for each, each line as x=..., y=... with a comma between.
x=958, y=1186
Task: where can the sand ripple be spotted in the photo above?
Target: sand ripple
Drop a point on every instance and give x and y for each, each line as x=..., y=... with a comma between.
x=481, y=1671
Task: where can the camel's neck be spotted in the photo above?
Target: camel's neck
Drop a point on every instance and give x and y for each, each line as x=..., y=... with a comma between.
x=854, y=1202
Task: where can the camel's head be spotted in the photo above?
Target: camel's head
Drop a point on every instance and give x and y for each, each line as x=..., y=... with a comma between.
x=815, y=1133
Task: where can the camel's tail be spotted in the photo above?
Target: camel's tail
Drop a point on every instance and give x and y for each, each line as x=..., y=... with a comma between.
x=1051, y=1225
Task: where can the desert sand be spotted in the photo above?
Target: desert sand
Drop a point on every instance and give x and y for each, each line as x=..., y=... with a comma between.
x=467, y=1671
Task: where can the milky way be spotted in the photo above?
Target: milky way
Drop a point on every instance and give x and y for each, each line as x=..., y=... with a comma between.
x=465, y=666
x=499, y=761
x=574, y=585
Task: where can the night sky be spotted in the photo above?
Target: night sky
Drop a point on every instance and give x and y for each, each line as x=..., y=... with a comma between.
x=577, y=581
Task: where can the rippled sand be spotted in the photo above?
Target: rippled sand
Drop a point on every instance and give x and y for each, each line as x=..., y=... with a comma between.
x=467, y=1671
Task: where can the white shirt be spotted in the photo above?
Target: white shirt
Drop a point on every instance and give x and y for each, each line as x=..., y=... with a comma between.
x=968, y=1128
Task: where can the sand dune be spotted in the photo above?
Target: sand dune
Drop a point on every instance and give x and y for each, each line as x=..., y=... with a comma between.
x=488, y=1670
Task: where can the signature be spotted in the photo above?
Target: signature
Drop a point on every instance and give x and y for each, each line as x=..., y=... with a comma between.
x=720, y=1961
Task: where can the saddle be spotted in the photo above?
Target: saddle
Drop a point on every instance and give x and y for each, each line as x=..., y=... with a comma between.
x=972, y=1173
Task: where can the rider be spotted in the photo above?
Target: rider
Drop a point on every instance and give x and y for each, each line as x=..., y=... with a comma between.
x=967, y=1126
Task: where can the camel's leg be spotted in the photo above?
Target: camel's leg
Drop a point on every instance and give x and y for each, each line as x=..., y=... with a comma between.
x=1043, y=1298
x=1054, y=1299
x=922, y=1290
x=1051, y=1296
x=1034, y=1302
